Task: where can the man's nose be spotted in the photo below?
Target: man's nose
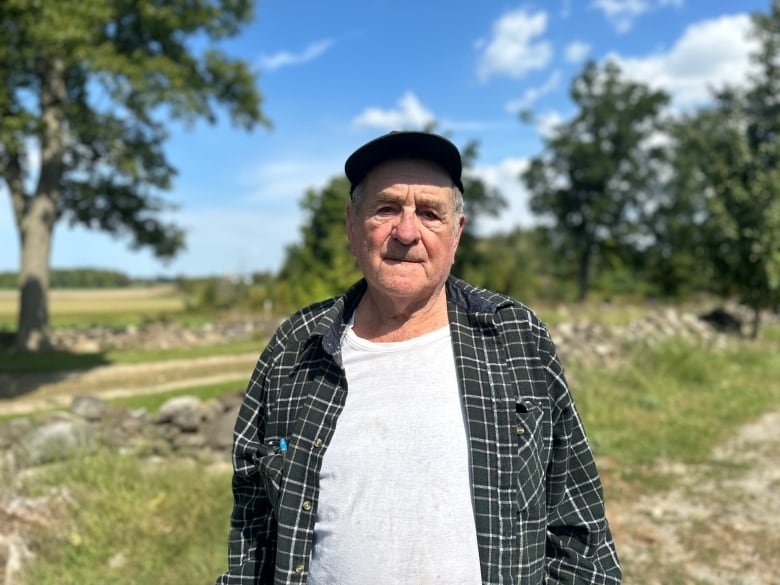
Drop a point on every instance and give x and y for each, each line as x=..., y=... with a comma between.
x=407, y=230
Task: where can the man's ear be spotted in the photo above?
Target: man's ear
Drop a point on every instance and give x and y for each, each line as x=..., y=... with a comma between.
x=348, y=224
x=461, y=223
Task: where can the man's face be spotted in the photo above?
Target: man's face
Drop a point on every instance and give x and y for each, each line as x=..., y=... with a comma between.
x=405, y=232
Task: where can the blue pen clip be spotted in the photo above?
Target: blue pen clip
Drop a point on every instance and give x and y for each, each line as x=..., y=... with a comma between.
x=283, y=445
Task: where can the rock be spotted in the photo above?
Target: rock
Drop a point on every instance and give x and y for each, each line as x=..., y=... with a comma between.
x=12, y=431
x=140, y=414
x=58, y=440
x=85, y=345
x=185, y=412
x=722, y=320
x=117, y=561
x=219, y=432
x=188, y=441
x=16, y=554
x=232, y=399
x=90, y=408
x=212, y=409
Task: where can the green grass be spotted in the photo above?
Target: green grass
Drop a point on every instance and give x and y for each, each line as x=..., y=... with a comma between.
x=675, y=402
x=131, y=523
x=22, y=363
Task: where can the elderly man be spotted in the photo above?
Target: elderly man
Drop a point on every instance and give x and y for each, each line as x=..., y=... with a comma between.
x=417, y=430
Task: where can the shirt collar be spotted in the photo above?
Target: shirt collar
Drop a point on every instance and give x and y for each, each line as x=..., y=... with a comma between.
x=464, y=296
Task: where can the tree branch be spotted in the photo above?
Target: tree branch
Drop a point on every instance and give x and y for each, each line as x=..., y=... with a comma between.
x=53, y=96
x=13, y=177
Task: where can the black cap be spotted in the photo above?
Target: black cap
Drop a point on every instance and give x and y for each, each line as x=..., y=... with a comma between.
x=397, y=145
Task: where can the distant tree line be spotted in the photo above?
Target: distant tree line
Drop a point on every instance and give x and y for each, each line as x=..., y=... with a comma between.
x=75, y=278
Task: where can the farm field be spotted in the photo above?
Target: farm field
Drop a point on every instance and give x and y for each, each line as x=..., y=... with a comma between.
x=116, y=306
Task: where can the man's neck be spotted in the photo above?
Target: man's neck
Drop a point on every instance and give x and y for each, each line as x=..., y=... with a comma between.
x=380, y=318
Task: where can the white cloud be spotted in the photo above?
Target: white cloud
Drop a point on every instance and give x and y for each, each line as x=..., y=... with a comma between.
x=531, y=95
x=576, y=51
x=505, y=176
x=623, y=13
x=708, y=55
x=286, y=180
x=411, y=114
x=287, y=59
x=547, y=123
x=513, y=50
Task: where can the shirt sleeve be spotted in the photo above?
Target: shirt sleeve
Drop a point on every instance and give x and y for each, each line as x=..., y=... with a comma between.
x=579, y=545
x=252, y=537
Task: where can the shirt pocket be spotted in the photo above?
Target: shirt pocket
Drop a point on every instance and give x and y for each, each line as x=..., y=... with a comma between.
x=532, y=418
x=270, y=469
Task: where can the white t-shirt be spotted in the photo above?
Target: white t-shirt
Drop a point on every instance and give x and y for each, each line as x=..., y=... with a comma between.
x=395, y=503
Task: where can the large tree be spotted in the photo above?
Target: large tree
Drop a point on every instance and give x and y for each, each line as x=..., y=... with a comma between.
x=598, y=172
x=730, y=155
x=320, y=265
x=84, y=87
x=479, y=200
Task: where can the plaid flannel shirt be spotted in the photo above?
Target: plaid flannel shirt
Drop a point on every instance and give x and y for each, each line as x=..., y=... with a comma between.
x=537, y=496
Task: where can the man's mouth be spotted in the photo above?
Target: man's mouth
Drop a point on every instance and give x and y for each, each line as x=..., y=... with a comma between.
x=409, y=260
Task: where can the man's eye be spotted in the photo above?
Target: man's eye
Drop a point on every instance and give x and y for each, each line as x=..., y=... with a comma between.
x=431, y=215
x=384, y=210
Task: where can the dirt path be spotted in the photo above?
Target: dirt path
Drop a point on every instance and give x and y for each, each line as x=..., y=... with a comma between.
x=35, y=392
x=718, y=526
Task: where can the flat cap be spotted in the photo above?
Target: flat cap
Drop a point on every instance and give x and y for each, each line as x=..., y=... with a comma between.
x=395, y=145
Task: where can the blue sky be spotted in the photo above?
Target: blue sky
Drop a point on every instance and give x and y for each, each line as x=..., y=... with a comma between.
x=336, y=74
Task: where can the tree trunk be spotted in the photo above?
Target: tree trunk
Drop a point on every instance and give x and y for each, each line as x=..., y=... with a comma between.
x=755, y=323
x=583, y=272
x=37, y=214
x=35, y=241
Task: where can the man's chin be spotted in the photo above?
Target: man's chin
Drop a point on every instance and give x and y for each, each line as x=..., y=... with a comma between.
x=405, y=283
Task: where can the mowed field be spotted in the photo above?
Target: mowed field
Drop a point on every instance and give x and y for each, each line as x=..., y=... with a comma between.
x=111, y=306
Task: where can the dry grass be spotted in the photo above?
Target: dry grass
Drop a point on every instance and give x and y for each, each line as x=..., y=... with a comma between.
x=79, y=306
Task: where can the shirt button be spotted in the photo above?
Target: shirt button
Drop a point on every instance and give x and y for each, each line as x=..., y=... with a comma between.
x=520, y=430
x=299, y=569
x=318, y=442
x=307, y=505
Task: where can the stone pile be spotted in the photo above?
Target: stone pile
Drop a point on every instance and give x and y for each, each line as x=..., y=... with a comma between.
x=183, y=426
x=161, y=335
x=581, y=340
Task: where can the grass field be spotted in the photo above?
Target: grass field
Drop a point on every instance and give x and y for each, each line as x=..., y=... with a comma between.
x=117, y=306
x=674, y=404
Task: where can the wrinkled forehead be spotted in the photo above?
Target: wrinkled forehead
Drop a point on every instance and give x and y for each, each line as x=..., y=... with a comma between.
x=405, y=172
